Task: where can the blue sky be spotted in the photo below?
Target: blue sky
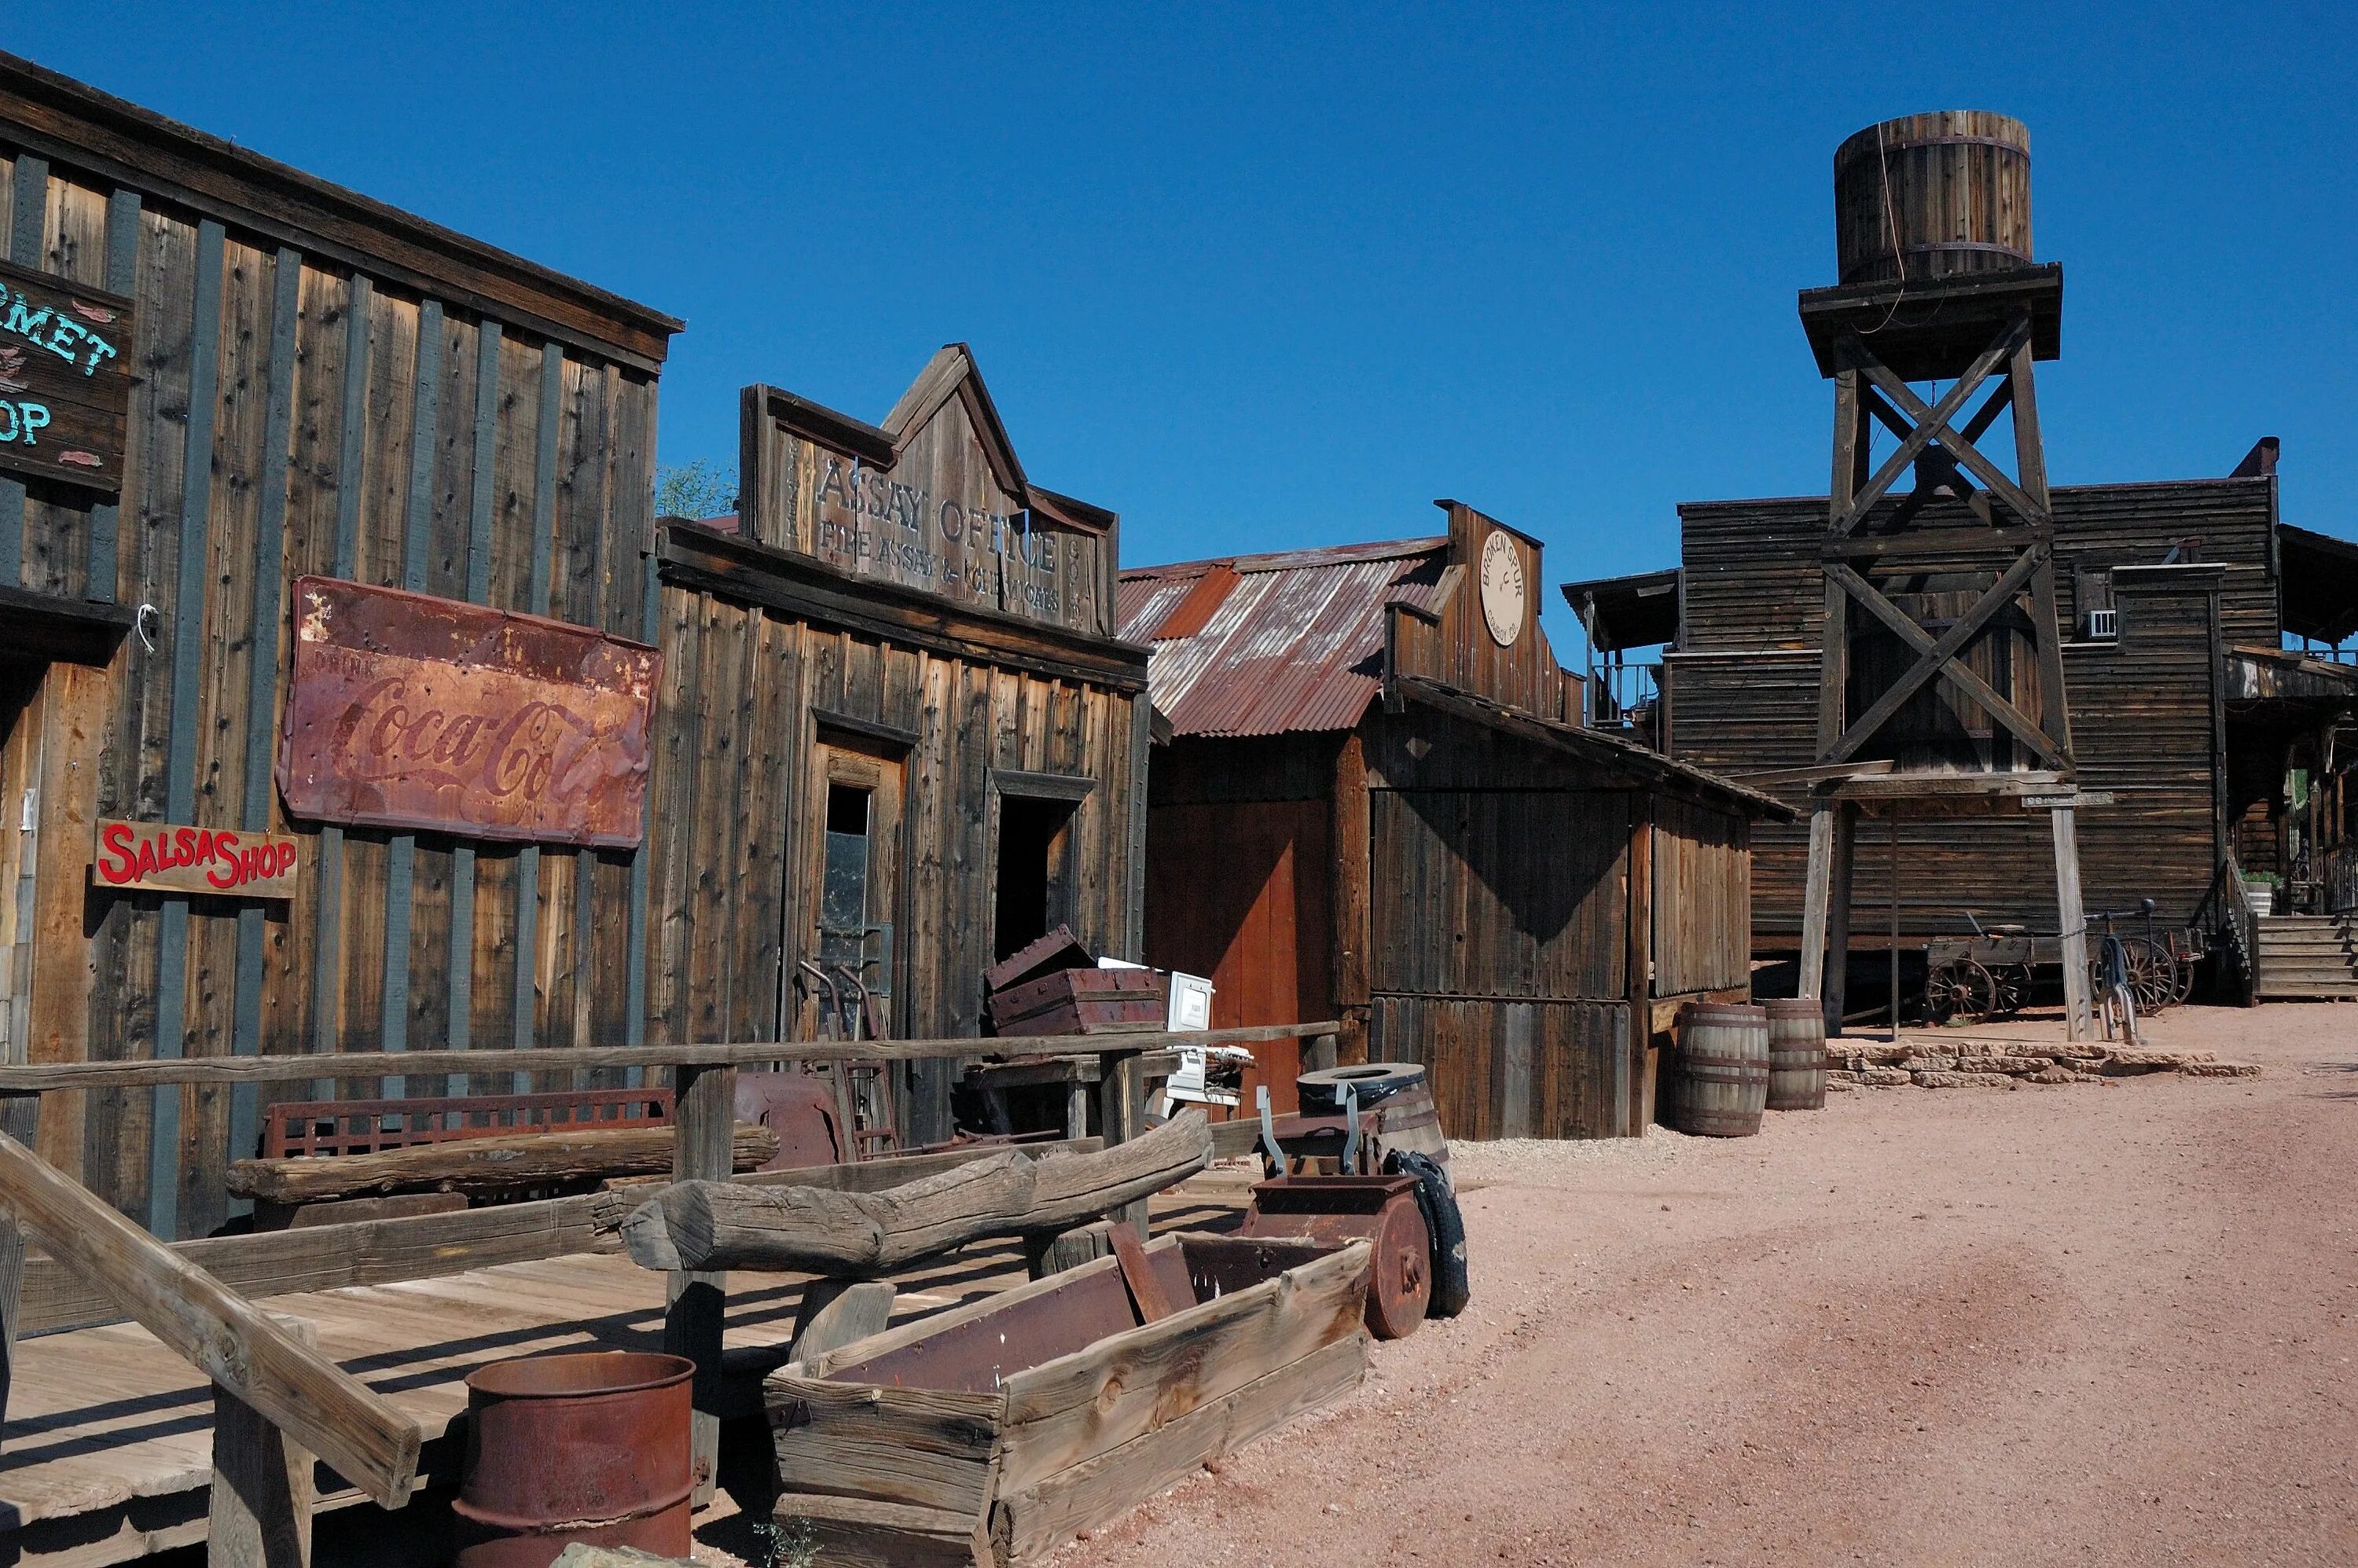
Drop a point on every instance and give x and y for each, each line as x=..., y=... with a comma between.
x=1267, y=276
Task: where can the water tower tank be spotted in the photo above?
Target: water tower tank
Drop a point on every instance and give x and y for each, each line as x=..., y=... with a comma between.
x=1933, y=196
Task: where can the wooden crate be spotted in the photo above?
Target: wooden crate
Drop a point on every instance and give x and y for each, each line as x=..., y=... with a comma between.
x=1082, y=1001
x=992, y=1433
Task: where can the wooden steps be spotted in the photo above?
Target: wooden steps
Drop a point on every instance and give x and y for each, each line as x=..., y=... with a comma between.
x=2308, y=956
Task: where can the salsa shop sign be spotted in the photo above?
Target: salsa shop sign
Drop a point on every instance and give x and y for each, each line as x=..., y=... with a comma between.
x=160, y=857
x=415, y=713
x=65, y=379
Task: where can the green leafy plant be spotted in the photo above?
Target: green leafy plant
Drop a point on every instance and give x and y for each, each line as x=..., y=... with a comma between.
x=699, y=489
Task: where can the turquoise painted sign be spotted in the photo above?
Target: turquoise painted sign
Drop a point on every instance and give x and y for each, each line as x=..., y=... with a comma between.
x=65, y=382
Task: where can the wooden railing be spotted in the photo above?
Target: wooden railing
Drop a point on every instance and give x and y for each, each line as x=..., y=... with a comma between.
x=280, y=1398
x=2225, y=911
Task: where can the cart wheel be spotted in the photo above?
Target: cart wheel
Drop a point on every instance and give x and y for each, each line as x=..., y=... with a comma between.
x=2152, y=974
x=1959, y=988
x=2184, y=963
x=1451, y=1289
x=2011, y=983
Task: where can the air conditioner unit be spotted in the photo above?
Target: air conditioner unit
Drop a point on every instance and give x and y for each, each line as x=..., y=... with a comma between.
x=2104, y=625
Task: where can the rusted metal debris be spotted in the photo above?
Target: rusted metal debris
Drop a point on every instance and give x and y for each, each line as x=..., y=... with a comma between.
x=410, y=711
x=587, y=1447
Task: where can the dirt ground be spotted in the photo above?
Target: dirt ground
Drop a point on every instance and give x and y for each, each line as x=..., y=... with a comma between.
x=2084, y=1323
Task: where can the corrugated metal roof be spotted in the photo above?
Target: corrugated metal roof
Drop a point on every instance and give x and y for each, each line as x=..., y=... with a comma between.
x=1295, y=645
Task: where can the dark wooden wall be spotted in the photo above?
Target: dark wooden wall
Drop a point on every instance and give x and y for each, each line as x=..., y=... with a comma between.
x=322, y=388
x=2143, y=715
x=1703, y=899
x=1499, y=944
x=1751, y=578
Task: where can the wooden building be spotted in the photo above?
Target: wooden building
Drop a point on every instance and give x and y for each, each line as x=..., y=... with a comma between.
x=1379, y=803
x=897, y=730
x=2180, y=606
x=245, y=376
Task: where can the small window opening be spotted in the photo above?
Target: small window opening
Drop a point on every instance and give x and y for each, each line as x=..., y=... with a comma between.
x=1030, y=883
x=843, y=892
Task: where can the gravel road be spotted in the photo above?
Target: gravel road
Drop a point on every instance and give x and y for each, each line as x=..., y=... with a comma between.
x=2085, y=1324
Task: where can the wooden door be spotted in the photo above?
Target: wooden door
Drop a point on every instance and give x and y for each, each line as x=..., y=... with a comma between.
x=849, y=903
x=1243, y=892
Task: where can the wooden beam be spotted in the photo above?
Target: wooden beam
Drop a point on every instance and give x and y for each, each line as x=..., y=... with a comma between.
x=48, y=1077
x=2071, y=920
x=1121, y=1111
x=223, y=1335
x=1959, y=675
x=262, y=1491
x=704, y=1105
x=1839, y=877
x=486, y=1164
x=1817, y=890
x=1940, y=544
x=1930, y=664
x=1931, y=423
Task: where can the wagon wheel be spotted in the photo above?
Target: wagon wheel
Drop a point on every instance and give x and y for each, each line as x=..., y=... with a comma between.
x=2012, y=983
x=2184, y=965
x=1959, y=988
x=2153, y=973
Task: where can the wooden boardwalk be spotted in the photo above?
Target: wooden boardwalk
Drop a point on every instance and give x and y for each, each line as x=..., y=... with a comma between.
x=109, y=1441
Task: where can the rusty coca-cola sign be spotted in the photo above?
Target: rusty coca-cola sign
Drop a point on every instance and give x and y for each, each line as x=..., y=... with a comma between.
x=411, y=711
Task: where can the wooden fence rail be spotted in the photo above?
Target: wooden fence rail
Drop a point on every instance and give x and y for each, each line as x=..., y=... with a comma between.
x=59, y=1077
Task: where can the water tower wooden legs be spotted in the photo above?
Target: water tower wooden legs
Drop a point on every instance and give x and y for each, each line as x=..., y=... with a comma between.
x=2078, y=1009
x=1826, y=908
x=1825, y=914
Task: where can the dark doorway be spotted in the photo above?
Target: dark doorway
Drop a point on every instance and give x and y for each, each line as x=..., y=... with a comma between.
x=1031, y=897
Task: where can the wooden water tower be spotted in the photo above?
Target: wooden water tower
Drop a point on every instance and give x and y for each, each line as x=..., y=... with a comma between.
x=1941, y=692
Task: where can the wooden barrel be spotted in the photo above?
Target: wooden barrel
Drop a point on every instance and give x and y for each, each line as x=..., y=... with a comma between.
x=1933, y=196
x=1719, y=1079
x=1399, y=1094
x=1797, y=1056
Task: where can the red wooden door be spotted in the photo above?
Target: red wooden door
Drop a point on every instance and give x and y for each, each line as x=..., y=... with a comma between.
x=1243, y=892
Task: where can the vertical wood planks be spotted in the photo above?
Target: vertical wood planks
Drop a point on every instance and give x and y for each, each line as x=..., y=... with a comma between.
x=28, y=188
x=186, y=628
x=267, y=615
x=121, y=277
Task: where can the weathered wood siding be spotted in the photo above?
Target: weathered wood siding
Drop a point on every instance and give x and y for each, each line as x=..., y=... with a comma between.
x=748, y=692
x=1499, y=909
x=322, y=388
x=1703, y=899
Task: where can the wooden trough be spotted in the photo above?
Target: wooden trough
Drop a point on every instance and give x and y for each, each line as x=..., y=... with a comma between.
x=993, y=1432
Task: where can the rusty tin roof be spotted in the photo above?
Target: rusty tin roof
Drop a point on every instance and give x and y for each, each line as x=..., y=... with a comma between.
x=1276, y=643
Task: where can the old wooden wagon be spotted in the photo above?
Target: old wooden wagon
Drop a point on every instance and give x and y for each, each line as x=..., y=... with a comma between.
x=993, y=1432
x=1381, y=805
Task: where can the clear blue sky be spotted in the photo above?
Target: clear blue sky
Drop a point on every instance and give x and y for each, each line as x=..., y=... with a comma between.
x=1278, y=276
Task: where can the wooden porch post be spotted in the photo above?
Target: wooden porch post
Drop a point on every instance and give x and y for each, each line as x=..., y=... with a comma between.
x=2071, y=919
x=706, y=1113
x=262, y=1487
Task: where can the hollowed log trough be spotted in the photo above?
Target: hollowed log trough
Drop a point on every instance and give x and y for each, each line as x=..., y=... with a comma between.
x=994, y=1433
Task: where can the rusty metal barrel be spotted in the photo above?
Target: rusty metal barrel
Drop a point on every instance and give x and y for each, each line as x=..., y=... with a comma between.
x=1929, y=196
x=591, y=1447
x=1719, y=1078
x=1797, y=1054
